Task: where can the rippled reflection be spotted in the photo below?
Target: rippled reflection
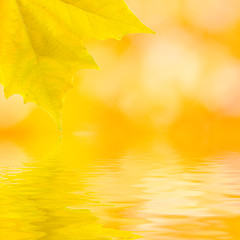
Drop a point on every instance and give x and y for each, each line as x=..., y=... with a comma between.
x=81, y=187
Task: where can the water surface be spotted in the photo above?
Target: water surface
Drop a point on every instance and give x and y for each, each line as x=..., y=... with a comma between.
x=84, y=188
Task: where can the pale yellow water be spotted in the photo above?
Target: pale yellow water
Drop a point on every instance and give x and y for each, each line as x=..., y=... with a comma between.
x=83, y=187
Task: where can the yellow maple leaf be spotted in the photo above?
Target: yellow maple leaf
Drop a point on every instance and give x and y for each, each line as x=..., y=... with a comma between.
x=42, y=44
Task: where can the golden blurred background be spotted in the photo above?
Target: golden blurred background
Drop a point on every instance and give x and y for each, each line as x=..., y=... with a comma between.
x=185, y=78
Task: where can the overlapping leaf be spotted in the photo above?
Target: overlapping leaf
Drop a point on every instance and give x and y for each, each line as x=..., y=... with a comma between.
x=42, y=44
